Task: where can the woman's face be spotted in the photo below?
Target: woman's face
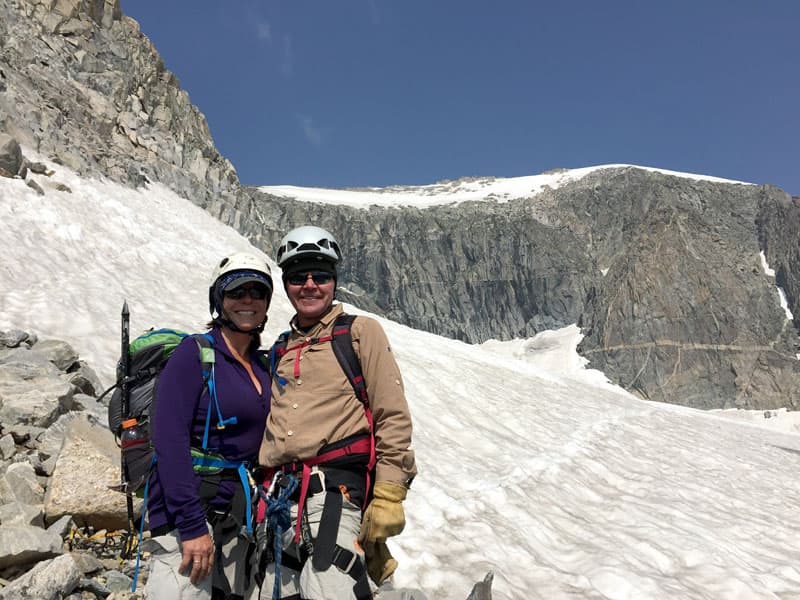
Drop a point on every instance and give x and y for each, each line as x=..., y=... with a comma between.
x=246, y=306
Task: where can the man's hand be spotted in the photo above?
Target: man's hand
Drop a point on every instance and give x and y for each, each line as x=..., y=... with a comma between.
x=198, y=553
x=384, y=516
x=380, y=563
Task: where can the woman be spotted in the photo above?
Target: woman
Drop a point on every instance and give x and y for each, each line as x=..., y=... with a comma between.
x=199, y=513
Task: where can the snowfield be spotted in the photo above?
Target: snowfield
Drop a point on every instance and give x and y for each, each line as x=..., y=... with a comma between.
x=530, y=465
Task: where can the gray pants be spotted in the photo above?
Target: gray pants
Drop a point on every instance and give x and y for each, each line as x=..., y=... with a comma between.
x=331, y=584
x=230, y=572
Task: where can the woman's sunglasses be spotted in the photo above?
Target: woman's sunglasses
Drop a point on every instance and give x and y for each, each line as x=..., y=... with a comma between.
x=257, y=292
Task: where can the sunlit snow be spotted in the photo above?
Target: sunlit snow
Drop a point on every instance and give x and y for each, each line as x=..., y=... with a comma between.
x=482, y=189
x=530, y=465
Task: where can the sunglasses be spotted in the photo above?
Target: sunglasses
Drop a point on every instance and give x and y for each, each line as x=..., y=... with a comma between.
x=318, y=277
x=256, y=292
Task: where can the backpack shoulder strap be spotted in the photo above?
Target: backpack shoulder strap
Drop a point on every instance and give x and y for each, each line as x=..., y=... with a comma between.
x=342, y=344
x=276, y=352
x=205, y=346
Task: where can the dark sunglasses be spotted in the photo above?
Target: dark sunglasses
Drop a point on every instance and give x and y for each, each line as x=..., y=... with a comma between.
x=256, y=292
x=319, y=278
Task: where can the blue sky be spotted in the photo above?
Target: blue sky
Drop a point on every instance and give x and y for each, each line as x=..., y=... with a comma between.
x=382, y=92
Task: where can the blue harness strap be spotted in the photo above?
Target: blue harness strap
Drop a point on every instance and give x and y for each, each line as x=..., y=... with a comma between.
x=210, y=462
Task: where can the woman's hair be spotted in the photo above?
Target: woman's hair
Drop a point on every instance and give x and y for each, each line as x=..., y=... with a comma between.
x=217, y=322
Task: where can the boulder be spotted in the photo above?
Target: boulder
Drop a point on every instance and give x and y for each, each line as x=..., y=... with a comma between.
x=17, y=513
x=87, y=465
x=21, y=480
x=10, y=155
x=49, y=580
x=7, y=447
x=58, y=352
x=26, y=544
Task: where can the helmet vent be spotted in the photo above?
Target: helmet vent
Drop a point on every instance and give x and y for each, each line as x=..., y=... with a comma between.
x=308, y=246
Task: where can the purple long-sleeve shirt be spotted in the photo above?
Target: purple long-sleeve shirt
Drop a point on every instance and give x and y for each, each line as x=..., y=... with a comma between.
x=181, y=405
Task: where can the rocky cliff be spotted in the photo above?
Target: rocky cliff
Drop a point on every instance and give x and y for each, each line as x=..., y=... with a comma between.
x=663, y=273
x=81, y=85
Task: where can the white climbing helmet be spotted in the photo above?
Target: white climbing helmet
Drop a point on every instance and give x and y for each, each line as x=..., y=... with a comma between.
x=308, y=242
x=235, y=270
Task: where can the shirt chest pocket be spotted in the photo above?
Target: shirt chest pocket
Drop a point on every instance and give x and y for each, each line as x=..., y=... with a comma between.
x=318, y=368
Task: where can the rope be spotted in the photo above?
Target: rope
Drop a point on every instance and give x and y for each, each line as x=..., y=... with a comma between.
x=279, y=519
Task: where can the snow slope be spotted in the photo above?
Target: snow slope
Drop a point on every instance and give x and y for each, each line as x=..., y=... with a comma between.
x=564, y=485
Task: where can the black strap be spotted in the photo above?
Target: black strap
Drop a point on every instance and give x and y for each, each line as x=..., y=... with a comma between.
x=325, y=543
x=350, y=563
x=342, y=344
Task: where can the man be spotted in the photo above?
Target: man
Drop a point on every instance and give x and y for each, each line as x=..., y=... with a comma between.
x=323, y=438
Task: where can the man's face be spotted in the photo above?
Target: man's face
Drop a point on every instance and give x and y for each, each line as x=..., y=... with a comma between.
x=311, y=294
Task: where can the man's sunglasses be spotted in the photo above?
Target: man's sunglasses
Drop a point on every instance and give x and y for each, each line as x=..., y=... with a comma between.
x=257, y=292
x=319, y=278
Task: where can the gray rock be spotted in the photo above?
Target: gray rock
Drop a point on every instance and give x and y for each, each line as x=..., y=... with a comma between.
x=84, y=378
x=92, y=586
x=87, y=464
x=52, y=439
x=58, y=352
x=118, y=582
x=25, y=544
x=38, y=401
x=17, y=513
x=10, y=154
x=483, y=589
x=21, y=479
x=16, y=337
x=125, y=596
x=7, y=447
x=39, y=168
x=35, y=186
x=48, y=580
x=62, y=527
x=87, y=562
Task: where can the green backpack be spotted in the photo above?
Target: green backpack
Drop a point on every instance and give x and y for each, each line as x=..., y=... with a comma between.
x=148, y=355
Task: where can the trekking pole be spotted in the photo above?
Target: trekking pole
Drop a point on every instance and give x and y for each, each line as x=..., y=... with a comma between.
x=125, y=364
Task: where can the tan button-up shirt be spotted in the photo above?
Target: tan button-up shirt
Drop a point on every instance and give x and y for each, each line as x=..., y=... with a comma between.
x=317, y=405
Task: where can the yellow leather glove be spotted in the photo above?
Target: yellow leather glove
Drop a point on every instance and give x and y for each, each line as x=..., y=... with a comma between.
x=383, y=518
x=380, y=563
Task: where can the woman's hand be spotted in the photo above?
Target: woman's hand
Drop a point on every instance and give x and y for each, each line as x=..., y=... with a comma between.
x=199, y=554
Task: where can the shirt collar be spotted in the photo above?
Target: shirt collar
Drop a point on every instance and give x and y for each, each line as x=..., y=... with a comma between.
x=325, y=322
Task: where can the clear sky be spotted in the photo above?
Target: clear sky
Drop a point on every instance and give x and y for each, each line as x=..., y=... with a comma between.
x=530, y=466
x=383, y=92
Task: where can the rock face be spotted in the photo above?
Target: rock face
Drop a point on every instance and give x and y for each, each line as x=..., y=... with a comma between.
x=473, y=271
x=80, y=84
x=685, y=312
x=663, y=273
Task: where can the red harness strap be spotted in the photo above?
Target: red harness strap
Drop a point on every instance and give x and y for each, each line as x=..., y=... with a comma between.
x=362, y=446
